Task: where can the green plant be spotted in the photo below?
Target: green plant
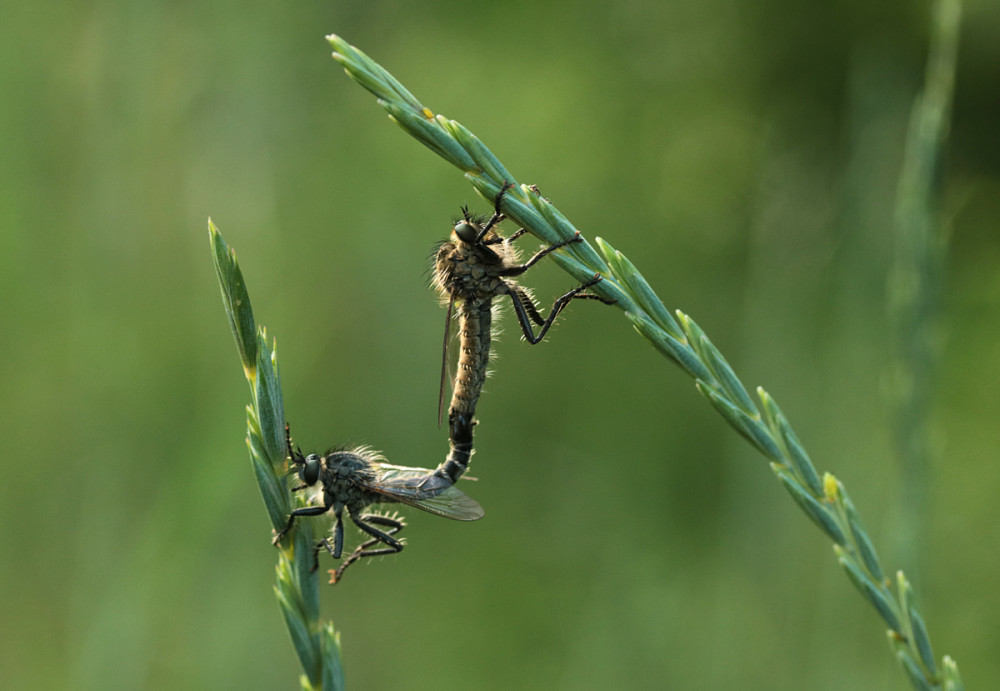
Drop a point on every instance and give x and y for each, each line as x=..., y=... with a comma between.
x=914, y=284
x=317, y=644
x=823, y=498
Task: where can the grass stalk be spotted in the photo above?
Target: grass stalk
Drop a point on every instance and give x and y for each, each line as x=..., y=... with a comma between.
x=297, y=589
x=676, y=335
x=914, y=285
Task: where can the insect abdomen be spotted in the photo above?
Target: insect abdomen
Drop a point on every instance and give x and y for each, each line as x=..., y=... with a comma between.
x=460, y=437
x=475, y=321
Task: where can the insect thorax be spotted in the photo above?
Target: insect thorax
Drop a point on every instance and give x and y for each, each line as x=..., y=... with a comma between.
x=469, y=271
x=347, y=475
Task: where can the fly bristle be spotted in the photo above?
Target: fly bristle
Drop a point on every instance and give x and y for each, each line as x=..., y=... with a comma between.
x=365, y=452
x=432, y=259
x=368, y=453
x=392, y=516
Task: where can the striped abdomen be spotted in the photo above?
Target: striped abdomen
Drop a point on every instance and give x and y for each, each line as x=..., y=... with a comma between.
x=475, y=318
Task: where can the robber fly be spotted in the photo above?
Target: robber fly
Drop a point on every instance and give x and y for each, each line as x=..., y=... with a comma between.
x=357, y=478
x=472, y=268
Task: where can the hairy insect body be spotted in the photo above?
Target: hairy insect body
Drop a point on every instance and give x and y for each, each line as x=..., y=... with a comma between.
x=472, y=268
x=467, y=273
x=470, y=275
x=343, y=478
x=358, y=478
x=476, y=323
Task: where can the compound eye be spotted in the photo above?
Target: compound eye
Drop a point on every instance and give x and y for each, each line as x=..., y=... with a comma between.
x=310, y=469
x=466, y=232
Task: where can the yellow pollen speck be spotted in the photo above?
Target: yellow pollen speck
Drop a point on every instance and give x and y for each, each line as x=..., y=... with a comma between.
x=830, y=486
x=428, y=114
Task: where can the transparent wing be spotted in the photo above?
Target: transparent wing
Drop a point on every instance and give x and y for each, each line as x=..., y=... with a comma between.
x=419, y=487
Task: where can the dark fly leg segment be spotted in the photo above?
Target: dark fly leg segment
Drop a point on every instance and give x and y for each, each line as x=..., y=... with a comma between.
x=305, y=511
x=526, y=311
x=524, y=306
x=497, y=217
x=394, y=525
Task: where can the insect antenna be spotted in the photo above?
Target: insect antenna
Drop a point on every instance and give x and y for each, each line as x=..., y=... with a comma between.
x=295, y=455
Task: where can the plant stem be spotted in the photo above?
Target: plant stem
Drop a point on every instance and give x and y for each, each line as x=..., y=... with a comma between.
x=823, y=498
x=914, y=284
x=297, y=589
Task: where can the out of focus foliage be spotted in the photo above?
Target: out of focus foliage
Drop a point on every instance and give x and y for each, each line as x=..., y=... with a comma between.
x=744, y=155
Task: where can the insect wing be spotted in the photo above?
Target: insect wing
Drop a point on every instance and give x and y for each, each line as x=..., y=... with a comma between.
x=444, y=359
x=418, y=487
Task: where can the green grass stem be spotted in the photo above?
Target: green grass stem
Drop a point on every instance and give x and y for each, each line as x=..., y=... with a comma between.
x=297, y=589
x=679, y=338
x=915, y=280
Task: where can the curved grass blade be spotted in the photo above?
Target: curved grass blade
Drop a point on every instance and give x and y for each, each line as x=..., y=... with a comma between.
x=297, y=587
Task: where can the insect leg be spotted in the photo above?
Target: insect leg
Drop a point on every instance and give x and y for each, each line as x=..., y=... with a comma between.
x=394, y=525
x=524, y=312
x=532, y=309
x=304, y=511
x=336, y=548
x=325, y=542
x=497, y=213
x=363, y=521
x=516, y=234
x=529, y=305
x=496, y=240
x=338, y=538
x=521, y=268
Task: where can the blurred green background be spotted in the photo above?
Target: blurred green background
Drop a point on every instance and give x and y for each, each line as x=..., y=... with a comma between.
x=744, y=155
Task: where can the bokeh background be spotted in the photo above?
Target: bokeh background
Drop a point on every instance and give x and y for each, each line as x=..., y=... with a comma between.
x=744, y=155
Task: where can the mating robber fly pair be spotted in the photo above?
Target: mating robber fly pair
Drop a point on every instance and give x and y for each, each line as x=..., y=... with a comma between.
x=472, y=268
